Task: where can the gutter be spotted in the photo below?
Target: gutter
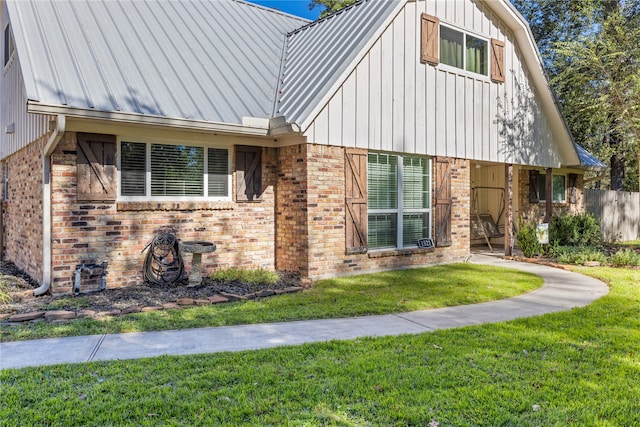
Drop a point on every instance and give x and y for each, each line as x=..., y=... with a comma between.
x=145, y=119
x=61, y=122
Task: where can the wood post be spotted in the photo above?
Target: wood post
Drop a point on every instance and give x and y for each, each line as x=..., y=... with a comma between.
x=508, y=200
x=549, y=199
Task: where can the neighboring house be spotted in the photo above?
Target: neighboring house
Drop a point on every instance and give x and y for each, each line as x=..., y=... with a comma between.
x=327, y=148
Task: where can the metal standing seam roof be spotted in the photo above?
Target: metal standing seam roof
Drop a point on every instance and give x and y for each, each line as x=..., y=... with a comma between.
x=202, y=60
x=588, y=160
x=214, y=61
x=317, y=54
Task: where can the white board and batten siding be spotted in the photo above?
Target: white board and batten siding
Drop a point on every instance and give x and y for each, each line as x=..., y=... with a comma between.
x=17, y=127
x=393, y=102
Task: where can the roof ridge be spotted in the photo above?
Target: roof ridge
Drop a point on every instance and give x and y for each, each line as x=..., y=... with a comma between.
x=274, y=11
x=324, y=19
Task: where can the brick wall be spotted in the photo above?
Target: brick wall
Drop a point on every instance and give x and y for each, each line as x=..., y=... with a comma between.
x=302, y=229
x=117, y=232
x=326, y=221
x=22, y=214
x=291, y=210
x=536, y=211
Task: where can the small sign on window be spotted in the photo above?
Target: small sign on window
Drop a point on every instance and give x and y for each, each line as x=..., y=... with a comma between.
x=425, y=243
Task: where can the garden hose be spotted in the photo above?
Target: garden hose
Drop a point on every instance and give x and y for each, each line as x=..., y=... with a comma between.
x=163, y=262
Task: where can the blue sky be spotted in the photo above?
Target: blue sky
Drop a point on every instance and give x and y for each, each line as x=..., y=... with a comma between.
x=294, y=7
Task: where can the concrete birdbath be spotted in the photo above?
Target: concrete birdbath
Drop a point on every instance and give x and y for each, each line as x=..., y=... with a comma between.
x=196, y=248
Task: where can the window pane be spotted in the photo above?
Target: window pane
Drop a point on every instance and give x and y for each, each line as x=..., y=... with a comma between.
x=8, y=44
x=477, y=58
x=542, y=188
x=177, y=170
x=132, y=169
x=558, y=188
x=382, y=180
x=218, y=165
x=451, y=47
x=415, y=191
x=382, y=231
x=414, y=227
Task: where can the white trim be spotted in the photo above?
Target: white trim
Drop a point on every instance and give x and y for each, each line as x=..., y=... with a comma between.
x=400, y=211
x=145, y=119
x=147, y=197
x=465, y=33
x=524, y=38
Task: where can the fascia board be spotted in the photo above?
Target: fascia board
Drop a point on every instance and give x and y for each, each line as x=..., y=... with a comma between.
x=529, y=49
x=143, y=119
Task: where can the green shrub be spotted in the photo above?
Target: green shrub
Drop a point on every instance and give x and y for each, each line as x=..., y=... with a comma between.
x=252, y=276
x=527, y=238
x=578, y=255
x=5, y=298
x=578, y=230
x=625, y=257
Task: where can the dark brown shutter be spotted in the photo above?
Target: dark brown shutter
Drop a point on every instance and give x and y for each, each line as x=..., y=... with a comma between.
x=497, y=61
x=443, y=201
x=96, y=167
x=355, y=171
x=248, y=173
x=573, y=188
x=429, y=39
x=534, y=191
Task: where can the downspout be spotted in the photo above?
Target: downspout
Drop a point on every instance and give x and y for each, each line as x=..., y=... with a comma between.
x=52, y=143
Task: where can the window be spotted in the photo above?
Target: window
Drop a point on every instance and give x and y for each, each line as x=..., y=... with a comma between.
x=558, y=188
x=463, y=51
x=399, y=200
x=173, y=170
x=8, y=45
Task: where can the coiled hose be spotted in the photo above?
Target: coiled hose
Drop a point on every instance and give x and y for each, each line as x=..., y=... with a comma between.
x=163, y=262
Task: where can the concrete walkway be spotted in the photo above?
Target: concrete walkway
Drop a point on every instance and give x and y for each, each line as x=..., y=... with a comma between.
x=562, y=290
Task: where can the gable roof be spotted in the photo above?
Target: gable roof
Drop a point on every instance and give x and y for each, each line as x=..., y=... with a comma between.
x=210, y=61
x=324, y=50
x=193, y=60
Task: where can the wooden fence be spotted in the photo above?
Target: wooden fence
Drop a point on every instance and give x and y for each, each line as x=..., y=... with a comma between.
x=618, y=211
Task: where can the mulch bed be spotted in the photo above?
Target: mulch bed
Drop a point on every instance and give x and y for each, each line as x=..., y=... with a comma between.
x=20, y=288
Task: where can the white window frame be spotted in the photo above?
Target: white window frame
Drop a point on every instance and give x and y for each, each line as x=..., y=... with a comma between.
x=542, y=187
x=465, y=33
x=400, y=211
x=8, y=38
x=148, y=197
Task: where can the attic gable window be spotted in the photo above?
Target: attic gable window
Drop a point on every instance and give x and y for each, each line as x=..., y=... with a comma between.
x=9, y=47
x=169, y=172
x=441, y=43
x=463, y=51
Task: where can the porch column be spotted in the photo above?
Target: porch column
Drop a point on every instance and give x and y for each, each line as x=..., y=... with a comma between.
x=549, y=190
x=508, y=221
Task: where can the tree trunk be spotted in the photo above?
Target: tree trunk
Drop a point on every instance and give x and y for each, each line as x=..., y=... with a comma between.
x=617, y=172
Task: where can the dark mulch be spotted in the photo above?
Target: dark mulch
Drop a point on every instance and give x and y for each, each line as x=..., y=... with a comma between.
x=20, y=288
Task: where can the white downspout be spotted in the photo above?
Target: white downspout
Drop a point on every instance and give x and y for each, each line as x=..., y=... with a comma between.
x=55, y=137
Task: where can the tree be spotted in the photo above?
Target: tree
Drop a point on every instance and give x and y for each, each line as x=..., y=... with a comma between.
x=329, y=6
x=591, y=52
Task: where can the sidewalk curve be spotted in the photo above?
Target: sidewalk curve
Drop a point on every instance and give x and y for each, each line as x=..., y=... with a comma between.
x=562, y=290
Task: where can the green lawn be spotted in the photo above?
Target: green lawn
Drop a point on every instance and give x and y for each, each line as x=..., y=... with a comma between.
x=391, y=292
x=580, y=367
